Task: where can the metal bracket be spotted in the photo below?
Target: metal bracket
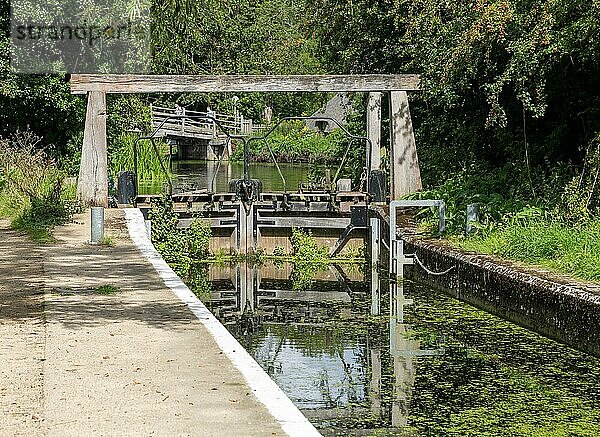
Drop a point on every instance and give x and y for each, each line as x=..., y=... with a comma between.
x=420, y=204
x=397, y=256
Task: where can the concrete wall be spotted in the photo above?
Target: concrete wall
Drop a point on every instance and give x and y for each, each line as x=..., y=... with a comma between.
x=567, y=312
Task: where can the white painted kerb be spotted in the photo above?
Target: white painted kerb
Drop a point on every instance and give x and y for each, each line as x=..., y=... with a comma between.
x=279, y=405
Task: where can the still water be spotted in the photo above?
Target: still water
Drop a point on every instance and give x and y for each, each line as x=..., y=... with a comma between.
x=436, y=367
x=198, y=175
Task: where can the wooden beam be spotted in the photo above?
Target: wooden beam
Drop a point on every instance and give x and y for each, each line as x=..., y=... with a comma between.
x=92, y=186
x=83, y=83
x=305, y=222
x=405, y=175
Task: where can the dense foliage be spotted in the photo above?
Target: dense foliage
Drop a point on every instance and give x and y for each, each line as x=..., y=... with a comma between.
x=237, y=37
x=294, y=142
x=510, y=87
x=508, y=116
x=234, y=36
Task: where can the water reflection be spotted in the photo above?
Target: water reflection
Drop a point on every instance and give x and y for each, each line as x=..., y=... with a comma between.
x=332, y=368
x=430, y=366
x=198, y=175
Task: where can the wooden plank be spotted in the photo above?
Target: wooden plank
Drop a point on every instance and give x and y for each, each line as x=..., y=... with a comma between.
x=113, y=83
x=374, y=128
x=92, y=186
x=304, y=222
x=185, y=223
x=404, y=162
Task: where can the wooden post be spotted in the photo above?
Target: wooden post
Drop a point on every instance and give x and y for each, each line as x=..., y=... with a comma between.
x=375, y=290
x=374, y=128
x=405, y=175
x=92, y=187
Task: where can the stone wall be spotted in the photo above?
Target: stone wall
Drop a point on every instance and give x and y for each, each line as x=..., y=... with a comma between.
x=566, y=311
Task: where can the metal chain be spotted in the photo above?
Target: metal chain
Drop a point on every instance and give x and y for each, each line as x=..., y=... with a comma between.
x=429, y=271
x=363, y=179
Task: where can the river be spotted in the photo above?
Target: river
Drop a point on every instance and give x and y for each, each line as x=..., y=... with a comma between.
x=439, y=368
x=198, y=175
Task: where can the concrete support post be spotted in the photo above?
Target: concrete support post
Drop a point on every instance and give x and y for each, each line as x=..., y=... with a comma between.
x=405, y=174
x=375, y=383
x=211, y=155
x=148, y=224
x=246, y=231
x=247, y=275
x=229, y=149
x=374, y=128
x=92, y=187
x=97, y=229
x=211, y=168
x=404, y=355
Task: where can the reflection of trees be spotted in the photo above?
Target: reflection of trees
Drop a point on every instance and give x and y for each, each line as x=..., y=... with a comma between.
x=197, y=281
x=325, y=389
x=267, y=353
x=303, y=274
x=347, y=385
x=352, y=395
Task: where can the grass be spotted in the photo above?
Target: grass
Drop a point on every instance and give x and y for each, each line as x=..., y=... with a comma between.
x=39, y=219
x=33, y=195
x=107, y=290
x=107, y=241
x=573, y=250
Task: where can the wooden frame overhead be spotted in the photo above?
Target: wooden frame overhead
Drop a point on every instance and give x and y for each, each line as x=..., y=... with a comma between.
x=405, y=176
x=114, y=83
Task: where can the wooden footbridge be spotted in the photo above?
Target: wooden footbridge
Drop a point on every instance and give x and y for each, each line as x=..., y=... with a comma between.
x=181, y=122
x=200, y=135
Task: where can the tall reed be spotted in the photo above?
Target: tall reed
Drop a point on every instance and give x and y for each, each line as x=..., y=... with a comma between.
x=149, y=167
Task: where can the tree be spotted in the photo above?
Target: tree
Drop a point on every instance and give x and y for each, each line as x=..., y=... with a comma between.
x=500, y=77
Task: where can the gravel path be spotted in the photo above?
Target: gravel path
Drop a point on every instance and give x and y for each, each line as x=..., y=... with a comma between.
x=22, y=334
x=136, y=362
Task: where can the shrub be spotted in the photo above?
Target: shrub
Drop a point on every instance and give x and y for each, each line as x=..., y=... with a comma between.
x=32, y=191
x=180, y=248
x=293, y=142
x=149, y=163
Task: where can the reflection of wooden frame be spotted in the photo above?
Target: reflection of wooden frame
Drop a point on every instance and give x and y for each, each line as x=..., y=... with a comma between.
x=404, y=165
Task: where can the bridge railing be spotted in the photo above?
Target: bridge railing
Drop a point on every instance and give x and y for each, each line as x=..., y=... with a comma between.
x=184, y=122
